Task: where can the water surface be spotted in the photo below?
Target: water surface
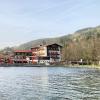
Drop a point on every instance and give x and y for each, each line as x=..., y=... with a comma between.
x=52, y=83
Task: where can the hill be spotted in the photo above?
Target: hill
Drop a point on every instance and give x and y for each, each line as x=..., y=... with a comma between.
x=83, y=44
x=86, y=33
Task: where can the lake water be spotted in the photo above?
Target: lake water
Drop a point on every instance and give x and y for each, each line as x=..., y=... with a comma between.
x=52, y=83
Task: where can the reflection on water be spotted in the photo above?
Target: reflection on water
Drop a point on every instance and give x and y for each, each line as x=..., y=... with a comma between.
x=49, y=83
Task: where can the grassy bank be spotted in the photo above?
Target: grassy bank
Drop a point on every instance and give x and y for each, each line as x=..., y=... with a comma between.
x=84, y=66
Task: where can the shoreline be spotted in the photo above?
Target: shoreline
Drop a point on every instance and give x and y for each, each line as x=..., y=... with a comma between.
x=37, y=65
x=84, y=66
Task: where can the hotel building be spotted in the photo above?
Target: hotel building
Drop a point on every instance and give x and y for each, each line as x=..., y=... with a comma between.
x=42, y=54
x=22, y=56
x=50, y=53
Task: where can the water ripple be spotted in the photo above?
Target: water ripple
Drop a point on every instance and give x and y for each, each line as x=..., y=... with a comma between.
x=49, y=83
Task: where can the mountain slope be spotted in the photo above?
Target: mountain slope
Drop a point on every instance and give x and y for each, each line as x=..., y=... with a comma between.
x=80, y=34
x=81, y=40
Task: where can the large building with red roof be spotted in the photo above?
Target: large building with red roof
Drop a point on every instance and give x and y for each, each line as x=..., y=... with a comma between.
x=42, y=54
x=22, y=56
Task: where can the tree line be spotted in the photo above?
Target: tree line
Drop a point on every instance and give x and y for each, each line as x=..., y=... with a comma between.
x=87, y=49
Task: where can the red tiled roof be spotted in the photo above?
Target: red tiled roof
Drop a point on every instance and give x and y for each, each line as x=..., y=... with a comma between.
x=23, y=51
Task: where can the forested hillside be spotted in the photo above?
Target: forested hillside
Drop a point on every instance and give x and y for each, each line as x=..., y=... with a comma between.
x=83, y=44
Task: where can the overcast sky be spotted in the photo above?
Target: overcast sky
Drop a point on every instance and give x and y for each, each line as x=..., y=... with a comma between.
x=25, y=20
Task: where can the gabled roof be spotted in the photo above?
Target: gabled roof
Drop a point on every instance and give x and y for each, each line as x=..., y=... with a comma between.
x=54, y=44
x=47, y=44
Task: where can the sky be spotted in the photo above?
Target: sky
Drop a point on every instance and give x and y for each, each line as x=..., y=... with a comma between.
x=25, y=20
